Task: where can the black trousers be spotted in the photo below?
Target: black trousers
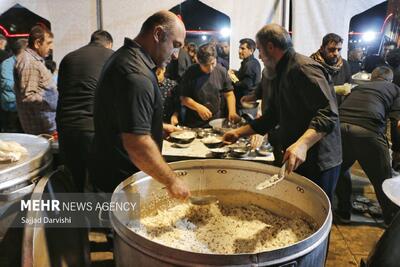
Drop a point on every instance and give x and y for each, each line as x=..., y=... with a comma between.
x=75, y=151
x=371, y=150
x=10, y=122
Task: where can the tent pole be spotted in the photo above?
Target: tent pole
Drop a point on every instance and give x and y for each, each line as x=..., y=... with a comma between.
x=285, y=14
x=99, y=13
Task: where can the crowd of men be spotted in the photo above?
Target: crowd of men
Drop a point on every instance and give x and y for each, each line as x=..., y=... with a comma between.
x=111, y=109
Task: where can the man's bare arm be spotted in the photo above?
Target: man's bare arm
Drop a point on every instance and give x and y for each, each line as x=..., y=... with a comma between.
x=296, y=154
x=202, y=110
x=231, y=103
x=144, y=153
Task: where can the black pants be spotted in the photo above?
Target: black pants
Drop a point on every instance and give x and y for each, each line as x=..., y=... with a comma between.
x=10, y=122
x=371, y=150
x=75, y=151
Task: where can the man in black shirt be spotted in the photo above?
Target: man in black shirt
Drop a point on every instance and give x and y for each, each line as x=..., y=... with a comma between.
x=223, y=50
x=128, y=108
x=304, y=106
x=363, y=116
x=393, y=59
x=248, y=76
x=329, y=57
x=387, y=47
x=77, y=80
x=201, y=88
x=355, y=59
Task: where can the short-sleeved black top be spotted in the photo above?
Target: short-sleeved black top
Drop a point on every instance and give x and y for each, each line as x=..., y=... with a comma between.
x=77, y=80
x=206, y=89
x=127, y=100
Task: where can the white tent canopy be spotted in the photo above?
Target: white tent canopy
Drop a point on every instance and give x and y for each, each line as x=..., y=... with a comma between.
x=313, y=19
x=73, y=21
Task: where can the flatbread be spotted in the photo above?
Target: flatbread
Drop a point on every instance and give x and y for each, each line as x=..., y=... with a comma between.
x=11, y=151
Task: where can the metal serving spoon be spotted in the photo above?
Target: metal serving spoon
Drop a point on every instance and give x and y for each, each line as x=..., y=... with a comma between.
x=203, y=200
x=274, y=179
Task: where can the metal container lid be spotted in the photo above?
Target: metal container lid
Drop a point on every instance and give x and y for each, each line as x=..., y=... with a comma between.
x=391, y=188
x=38, y=155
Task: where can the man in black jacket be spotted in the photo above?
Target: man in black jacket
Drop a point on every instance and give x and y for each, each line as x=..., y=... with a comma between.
x=77, y=80
x=248, y=76
x=363, y=116
x=329, y=57
x=303, y=104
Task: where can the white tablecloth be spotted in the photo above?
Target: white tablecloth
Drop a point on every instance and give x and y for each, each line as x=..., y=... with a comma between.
x=198, y=150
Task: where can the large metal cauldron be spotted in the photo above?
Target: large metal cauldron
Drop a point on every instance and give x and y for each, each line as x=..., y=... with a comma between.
x=131, y=249
x=18, y=180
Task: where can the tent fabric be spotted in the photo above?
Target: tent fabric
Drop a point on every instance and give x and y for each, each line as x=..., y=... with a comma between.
x=124, y=18
x=73, y=21
x=313, y=19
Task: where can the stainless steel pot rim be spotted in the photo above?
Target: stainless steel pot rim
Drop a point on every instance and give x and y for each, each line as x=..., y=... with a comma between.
x=140, y=244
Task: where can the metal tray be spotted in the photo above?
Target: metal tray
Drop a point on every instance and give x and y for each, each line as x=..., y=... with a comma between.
x=39, y=154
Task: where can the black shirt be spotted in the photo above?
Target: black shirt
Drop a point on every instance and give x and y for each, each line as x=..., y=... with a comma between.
x=78, y=75
x=370, y=104
x=127, y=101
x=396, y=76
x=223, y=61
x=355, y=66
x=303, y=99
x=176, y=68
x=206, y=89
x=249, y=76
x=343, y=75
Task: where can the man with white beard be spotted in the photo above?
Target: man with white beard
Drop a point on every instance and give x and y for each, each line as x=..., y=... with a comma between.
x=303, y=104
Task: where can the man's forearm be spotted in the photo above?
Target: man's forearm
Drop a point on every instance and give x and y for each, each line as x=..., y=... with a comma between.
x=310, y=137
x=145, y=154
x=190, y=103
x=245, y=131
x=230, y=101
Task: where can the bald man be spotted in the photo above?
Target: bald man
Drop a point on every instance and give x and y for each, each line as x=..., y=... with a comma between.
x=128, y=114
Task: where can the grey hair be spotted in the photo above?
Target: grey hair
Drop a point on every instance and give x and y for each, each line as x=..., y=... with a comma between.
x=382, y=73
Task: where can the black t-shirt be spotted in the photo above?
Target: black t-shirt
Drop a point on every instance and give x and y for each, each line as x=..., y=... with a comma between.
x=127, y=100
x=176, y=68
x=206, y=89
x=78, y=75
